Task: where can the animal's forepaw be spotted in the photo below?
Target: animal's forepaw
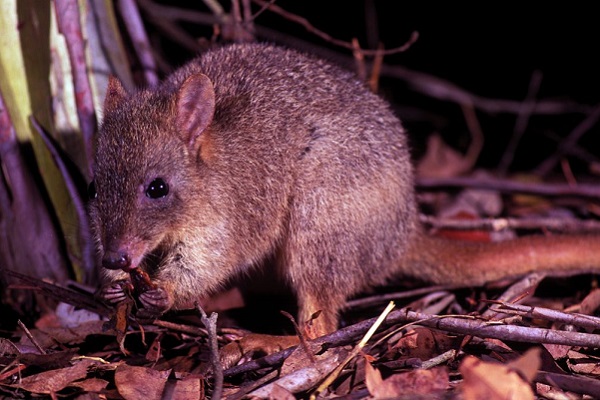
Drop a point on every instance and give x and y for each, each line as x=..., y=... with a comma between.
x=154, y=302
x=115, y=292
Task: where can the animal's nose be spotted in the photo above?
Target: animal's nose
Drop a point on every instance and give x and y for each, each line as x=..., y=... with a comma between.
x=116, y=260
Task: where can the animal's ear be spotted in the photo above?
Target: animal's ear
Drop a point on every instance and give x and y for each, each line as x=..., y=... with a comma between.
x=115, y=95
x=195, y=107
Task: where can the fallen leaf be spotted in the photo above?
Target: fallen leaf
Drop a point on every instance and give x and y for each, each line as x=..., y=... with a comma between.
x=190, y=387
x=91, y=385
x=253, y=344
x=120, y=320
x=305, y=378
x=424, y=343
x=281, y=393
x=528, y=364
x=54, y=360
x=441, y=160
x=557, y=351
x=140, y=382
x=590, y=303
x=491, y=381
x=48, y=337
x=52, y=381
x=417, y=382
x=583, y=364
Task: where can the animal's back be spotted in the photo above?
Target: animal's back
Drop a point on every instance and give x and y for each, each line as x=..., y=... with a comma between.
x=310, y=137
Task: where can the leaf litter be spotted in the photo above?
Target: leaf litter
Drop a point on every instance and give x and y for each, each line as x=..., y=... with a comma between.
x=442, y=343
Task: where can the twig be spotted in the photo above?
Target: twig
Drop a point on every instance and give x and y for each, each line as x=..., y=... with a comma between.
x=576, y=319
x=155, y=15
x=61, y=293
x=435, y=87
x=383, y=298
x=570, y=141
x=31, y=338
x=68, y=17
x=480, y=328
x=133, y=23
x=510, y=186
x=522, y=121
x=263, y=8
x=477, y=136
x=210, y=323
x=441, y=89
x=253, y=385
x=357, y=349
x=499, y=224
x=301, y=336
x=216, y=8
x=576, y=384
x=517, y=292
x=328, y=38
x=376, y=71
x=438, y=360
x=454, y=324
x=189, y=329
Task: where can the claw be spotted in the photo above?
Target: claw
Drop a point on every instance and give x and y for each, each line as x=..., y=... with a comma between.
x=156, y=301
x=114, y=293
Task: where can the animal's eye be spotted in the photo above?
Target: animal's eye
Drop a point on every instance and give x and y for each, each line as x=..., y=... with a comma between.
x=157, y=188
x=91, y=191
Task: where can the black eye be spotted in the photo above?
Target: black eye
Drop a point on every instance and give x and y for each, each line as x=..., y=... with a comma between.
x=91, y=191
x=157, y=188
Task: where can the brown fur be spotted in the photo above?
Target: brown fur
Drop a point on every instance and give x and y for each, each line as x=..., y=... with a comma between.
x=272, y=154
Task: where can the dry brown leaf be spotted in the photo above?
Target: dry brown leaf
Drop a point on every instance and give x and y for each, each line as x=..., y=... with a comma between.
x=491, y=381
x=557, y=351
x=372, y=377
x=154, y=351
x=528, y=364
x=424, y=343
x=140, y=382
x=418, y=382
x=190, y=387
x=52, y=381
x=254, y=343
x=583, y=364
x=91, y=385
x=48, y=337
x=590, y=303
x=549, y=392
x=58, y=359
x=441, y=160
x=281, y=393
x=305, y=378
x=120, y=321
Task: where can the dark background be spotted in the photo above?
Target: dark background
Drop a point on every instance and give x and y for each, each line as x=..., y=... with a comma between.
x=489, y=49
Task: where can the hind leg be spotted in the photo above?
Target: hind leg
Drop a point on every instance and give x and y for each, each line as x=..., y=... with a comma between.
x=318, y=311
x=323, y=272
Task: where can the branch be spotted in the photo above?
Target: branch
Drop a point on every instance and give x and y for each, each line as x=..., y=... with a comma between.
x=328, y=38
x=570, y=141
x=510, y=186
x=499, y=224
x=461, y=325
